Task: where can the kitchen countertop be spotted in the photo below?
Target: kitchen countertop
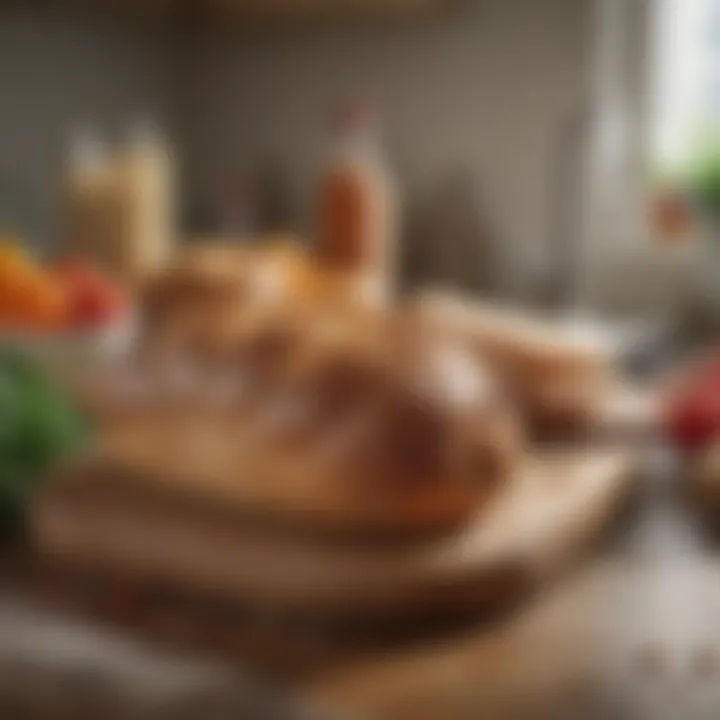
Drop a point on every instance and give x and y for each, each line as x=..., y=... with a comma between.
x=633, y=633
x=630, y=633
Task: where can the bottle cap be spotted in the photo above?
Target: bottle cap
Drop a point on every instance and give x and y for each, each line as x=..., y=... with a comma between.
x=350, y=116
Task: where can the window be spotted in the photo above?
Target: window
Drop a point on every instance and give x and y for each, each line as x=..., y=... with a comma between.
x=687, y=63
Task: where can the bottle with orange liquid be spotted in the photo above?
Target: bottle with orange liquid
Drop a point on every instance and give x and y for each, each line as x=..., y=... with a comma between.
x=357, y=211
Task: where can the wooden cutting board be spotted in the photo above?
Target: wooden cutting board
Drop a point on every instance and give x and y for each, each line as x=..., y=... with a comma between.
x=557, y=504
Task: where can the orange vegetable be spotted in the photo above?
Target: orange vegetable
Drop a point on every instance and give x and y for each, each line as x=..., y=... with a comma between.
x=30, y=297
x=46, y=306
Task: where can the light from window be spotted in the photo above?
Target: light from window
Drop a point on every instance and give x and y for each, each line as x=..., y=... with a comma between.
x=687, y=64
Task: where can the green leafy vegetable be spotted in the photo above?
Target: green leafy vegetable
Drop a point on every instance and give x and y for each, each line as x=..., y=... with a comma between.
x=39, y=425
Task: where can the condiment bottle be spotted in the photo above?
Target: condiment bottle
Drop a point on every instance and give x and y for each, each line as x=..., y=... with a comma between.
x=118, y=208
x=88, y=225
x=357, y=207
x=144, y=186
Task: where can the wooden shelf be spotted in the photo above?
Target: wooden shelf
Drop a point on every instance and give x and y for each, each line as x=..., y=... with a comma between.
x=263, y=9
x=305, y=8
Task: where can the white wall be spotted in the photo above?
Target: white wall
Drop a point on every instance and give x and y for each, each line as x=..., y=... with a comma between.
x=486, y=90
x=57, y=68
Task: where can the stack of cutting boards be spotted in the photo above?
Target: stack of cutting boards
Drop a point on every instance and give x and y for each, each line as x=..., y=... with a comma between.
x=558, y=504
x=240, y=539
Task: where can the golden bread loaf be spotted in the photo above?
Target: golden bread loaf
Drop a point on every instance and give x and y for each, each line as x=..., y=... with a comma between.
x=558, y=375
x=366, y=421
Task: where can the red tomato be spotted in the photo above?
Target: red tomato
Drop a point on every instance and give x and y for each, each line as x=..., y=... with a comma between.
x=690, y=424
x=95, y=300
x=693, y=415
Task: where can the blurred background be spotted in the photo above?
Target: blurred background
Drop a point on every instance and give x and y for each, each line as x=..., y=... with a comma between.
x=184, y=182
x=526, y=115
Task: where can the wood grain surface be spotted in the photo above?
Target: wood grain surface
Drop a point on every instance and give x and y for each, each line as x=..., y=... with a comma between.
x=632, y=634
x=546, y=515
